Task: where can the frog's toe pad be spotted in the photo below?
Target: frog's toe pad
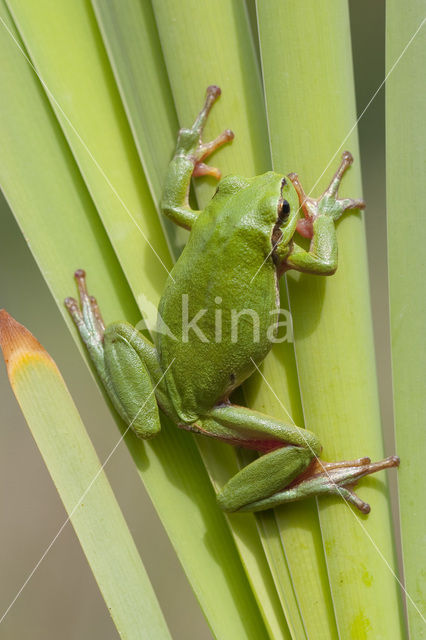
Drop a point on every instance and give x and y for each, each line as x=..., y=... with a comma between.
x=201, y=169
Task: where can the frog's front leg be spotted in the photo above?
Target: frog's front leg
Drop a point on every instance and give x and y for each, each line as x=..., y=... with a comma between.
x=125, y=361
x=188, y=161
x=289, y=468
x=320, y=216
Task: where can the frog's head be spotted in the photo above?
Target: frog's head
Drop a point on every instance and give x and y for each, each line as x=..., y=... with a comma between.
x=268, y=203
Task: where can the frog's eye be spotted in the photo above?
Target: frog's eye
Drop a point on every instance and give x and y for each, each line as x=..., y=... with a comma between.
x=284, y=210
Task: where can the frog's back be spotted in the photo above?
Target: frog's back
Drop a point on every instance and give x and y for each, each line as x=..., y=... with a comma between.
x=227, y=279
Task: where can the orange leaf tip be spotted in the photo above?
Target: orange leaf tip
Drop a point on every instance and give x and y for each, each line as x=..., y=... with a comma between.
x=19, y=345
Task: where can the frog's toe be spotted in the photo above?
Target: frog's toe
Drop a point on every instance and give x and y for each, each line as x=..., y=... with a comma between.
x=340, y=478
x=212, y=94
x=74, y=310
x=190, y=140
x=201, y=169
x=86, y=315
x=350, y=203
x=207, y=148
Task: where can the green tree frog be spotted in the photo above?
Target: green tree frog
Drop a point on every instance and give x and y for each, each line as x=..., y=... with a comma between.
x=238, y=248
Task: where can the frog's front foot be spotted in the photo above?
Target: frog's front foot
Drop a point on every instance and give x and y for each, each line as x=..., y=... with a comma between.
x=86, y=315
x=190, y=142
x=328, y=203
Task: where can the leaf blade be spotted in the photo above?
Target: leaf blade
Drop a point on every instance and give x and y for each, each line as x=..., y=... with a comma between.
x=333, y=333
x=81, y=483
x=405, y=159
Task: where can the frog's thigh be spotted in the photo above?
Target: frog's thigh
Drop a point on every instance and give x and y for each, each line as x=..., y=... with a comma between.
x=264, y=477
x=256, y=430
x=128, y=364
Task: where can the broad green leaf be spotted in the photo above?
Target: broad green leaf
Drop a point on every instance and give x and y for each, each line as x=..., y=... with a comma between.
x=311, y=112
x=81, y=483
x=52, y=205
x=219, y=51
x=406, y=194
x=131, y=40
x=277, y=394
x=66, y=49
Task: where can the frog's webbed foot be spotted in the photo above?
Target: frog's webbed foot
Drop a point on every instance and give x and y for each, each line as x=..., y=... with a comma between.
x=328, y=203
x=337, y=478
x=190, y=141
x=125, y=361
x=340, y=478
x=86, y=315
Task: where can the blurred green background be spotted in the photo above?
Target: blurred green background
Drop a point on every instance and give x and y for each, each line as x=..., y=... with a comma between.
x=61, y=599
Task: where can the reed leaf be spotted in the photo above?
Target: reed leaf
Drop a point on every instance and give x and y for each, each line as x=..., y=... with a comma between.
x=82, y=485
x=311, y=111
x=131, y=40
x=406, y=193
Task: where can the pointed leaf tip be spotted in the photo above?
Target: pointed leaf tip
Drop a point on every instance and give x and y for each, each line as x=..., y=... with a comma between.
x=18, y=344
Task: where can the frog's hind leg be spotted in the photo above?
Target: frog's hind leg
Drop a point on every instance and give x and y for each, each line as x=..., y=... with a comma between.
x=289, y=468
x=125, y=361
x=321, y=478
x=287, y=452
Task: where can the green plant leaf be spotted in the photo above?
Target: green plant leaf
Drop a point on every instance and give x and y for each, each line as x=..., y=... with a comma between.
x=131, y=40
x=52, y=205
x=333, y=332
x=406, y=193
x=67, y=51
x=81, y=483
x=297, y=523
